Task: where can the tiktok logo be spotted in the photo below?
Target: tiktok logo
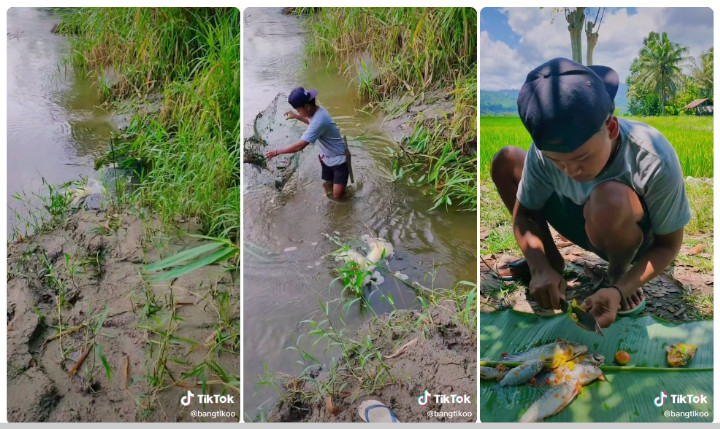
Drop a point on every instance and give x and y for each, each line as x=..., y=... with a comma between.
x=185, y=400
x=423, y=399
x=660, y=400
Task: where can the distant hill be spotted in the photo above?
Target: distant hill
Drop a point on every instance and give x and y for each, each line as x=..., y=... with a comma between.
x=503, y=102
x=498, y=103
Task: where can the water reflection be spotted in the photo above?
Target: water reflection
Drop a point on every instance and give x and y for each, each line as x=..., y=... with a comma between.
x=55, y=126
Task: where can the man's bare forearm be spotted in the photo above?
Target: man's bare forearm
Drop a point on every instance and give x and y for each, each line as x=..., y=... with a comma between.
x=535, y=241
x=295, y=147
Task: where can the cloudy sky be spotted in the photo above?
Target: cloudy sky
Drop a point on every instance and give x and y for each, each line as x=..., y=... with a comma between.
x=514, y=41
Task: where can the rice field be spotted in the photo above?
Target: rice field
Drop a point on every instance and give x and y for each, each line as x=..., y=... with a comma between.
x=691, y=136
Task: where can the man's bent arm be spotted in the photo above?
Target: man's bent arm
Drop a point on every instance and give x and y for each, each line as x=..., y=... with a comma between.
x=295, y=147
x=657, y=258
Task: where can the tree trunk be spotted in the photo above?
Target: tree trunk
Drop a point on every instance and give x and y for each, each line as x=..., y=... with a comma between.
x=592, y=39
x=575, y=20
x=662, y=93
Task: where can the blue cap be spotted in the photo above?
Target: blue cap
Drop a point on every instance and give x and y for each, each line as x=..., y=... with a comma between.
x=562, y=103
x=299, y=97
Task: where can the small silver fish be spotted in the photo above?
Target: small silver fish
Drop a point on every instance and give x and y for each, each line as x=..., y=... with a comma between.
x=520, y=374
x=559, y=396
x=491, y=373
x=551, y=402
x=555, y=353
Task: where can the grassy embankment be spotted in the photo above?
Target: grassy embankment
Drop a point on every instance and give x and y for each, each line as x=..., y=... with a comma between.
x=189, y=152
x=414, y=51
x=692, y=138
x=191, y=148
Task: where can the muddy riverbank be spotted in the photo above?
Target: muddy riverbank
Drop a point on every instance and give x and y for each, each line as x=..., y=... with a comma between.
x=416, y=351
x=90, y=338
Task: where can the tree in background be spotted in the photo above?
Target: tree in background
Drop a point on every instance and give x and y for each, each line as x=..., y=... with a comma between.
x=576, y=19
x=703, y=74
x=657, y=69
x=641, y=102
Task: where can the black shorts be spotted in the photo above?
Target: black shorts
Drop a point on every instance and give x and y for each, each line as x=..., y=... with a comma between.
x=568, y=219
x=337, y=174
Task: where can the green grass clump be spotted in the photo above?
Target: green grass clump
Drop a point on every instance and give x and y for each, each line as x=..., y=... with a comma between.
x=191, y=148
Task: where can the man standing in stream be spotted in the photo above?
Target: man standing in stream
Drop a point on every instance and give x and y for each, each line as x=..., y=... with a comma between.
x=321, y=128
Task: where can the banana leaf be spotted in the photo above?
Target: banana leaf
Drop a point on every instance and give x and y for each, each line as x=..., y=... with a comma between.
x=629, y=392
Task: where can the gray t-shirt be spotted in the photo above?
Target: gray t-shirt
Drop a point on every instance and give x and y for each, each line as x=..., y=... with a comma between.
x=323, y=130
x=646, y=162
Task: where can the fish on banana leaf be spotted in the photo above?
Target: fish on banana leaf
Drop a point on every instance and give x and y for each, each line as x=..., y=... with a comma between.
x=561, y=395
x=555, y=353
x=551, y=402
x=521, y=374
x=584, y=371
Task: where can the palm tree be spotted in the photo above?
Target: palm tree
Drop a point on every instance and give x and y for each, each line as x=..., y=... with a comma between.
x=659, y=65
x=703, y=73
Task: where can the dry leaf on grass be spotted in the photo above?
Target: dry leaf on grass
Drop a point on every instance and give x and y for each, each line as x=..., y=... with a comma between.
x=695, y=250
x=332, y=409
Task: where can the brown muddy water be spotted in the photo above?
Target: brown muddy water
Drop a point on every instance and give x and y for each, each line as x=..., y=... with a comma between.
x=285, y=273
x=55, y=127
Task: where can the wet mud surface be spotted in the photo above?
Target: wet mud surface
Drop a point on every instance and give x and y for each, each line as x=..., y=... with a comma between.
x=439, y=356
x=90, y=338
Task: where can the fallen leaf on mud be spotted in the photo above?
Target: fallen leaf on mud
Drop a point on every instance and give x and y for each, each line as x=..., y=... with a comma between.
x=695, y=250
x=79, y=362
x=126, y=371
x=59, y=334
x=332, y=409
x=402, y=349
x=210, y=339
x=185, y=385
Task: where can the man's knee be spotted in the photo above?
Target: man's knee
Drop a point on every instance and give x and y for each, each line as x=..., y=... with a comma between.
x=612, y=206
x=506, y=160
